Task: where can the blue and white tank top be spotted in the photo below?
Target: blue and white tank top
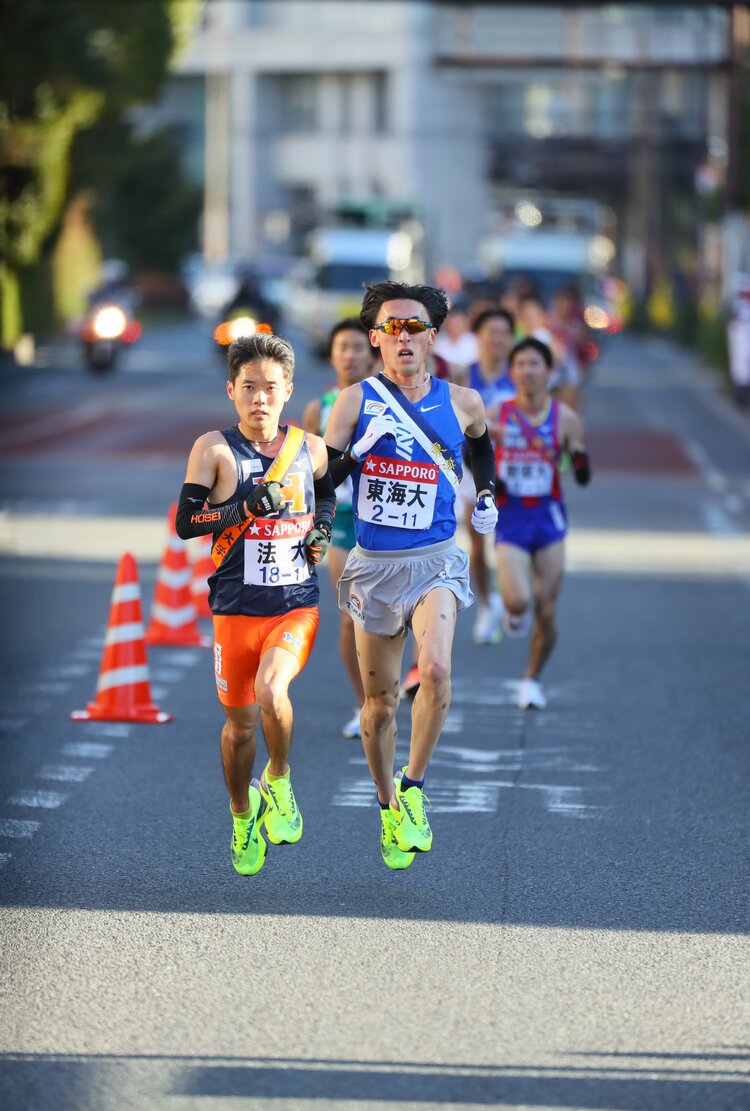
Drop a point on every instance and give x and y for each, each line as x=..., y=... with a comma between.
x=491, y=393
x=402, y=500
x=266, y=572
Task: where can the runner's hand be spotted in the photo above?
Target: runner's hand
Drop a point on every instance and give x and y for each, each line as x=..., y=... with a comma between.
x=381, y=426
x=266, y=498
x=316, y=542
x=484, y=517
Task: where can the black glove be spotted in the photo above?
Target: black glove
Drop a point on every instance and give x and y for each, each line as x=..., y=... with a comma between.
x=316, y=542
x=266, y=498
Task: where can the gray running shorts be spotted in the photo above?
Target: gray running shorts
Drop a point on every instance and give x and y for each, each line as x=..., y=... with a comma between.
x=381, y=590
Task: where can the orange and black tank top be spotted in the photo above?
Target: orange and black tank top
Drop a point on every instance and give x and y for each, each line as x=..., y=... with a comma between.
x=266, y=572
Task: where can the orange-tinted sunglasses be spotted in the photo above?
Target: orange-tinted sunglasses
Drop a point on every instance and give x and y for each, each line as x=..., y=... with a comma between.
x=394, y=327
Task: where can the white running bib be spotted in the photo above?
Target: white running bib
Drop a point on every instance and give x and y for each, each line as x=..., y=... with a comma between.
x=275, y=553
x=397, y=493
x=526, y=475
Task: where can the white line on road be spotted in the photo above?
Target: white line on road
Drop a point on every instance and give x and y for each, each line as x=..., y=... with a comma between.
x=43, y=800
x=108, y=729
x=65, y=773
x=734, y=503
x=16, y=827
x=44, y=686
x=87, y=750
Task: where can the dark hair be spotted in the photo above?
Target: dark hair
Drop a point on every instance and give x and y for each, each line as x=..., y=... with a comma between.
x=434, y=300
x=530, y=296
x=492, y=314
x=348, y=324
x=530, y=343
x=250, y=349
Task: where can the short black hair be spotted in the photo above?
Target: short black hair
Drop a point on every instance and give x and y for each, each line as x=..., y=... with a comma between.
x=434, y=300
x=491, y=314
x=531, y=343
x=348, y=324
x=251, y=349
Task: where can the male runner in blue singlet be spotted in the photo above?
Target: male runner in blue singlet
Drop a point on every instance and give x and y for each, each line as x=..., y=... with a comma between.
x=534, y=430
x=407, y=430
x=270, y=504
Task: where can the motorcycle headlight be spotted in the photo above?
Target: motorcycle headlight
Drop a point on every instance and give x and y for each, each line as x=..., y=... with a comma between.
x=109, y=323
x=242, y=326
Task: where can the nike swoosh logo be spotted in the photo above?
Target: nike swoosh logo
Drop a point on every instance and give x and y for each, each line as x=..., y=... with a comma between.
x=428, y=408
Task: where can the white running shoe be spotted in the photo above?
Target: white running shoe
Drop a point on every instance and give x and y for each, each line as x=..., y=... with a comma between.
x=530, y=695
x=517, y=626
x=487, y=624
x=351, y=729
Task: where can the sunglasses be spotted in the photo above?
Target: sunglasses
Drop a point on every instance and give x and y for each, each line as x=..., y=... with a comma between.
x=394, y=327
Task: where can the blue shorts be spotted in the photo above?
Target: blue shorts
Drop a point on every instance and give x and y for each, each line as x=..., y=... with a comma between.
x=531, y=527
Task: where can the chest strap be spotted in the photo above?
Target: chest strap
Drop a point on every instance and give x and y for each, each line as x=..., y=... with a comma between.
x=277, y=472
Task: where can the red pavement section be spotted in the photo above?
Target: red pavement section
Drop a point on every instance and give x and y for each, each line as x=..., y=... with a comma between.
x=638, y=451
x=613, y=450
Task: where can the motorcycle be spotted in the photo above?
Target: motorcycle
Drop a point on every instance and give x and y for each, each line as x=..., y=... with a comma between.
x=107, y=328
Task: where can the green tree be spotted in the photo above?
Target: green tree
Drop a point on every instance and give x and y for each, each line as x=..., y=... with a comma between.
x=62, y=62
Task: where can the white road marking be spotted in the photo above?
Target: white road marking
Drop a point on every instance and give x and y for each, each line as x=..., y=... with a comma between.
x=13, y=725
x=15, y=827
x=87, y=750
x=159, y=691
x=734, y=503
x=44, y=686
x=717, y=521
x=65, y=773
x=108, y=729
x=68, y=671
x=166, y=674
x=43, y=800
x=186, y=657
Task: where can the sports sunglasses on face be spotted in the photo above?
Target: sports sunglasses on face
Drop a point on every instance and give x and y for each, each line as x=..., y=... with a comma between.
x=394, y=327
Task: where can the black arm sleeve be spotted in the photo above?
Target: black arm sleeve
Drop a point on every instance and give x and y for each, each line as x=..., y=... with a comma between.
x=340, y=465
x=325, y=502
x=194, y=518
x=482, y=461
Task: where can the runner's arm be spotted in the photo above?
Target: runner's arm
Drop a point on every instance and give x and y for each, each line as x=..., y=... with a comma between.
x=311, y=417
x=319, y=536
x=574, y=443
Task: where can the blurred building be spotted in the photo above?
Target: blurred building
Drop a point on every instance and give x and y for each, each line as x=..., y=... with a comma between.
x=451, y=111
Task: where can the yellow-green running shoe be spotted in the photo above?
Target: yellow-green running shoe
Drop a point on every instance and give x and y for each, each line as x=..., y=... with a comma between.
x=283, y=819
x=413, y=833
x=389, y=850
x=248, y=846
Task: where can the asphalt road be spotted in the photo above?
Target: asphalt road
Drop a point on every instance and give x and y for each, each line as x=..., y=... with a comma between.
x=577, y=938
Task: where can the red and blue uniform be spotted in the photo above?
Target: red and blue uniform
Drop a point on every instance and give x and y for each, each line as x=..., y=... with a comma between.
x=531, y=508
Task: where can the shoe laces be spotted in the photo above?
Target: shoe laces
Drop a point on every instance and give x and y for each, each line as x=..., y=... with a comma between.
x=413, y=801
x=243, y=829
x=283, y=796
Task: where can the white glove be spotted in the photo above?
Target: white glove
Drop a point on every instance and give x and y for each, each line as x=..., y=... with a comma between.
x=383, y=425
x=484, y=516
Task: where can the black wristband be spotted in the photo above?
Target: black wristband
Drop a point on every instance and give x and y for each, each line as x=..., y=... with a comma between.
x=340, y=464
x=482, y=461
x=195, y=518
x=581, y=467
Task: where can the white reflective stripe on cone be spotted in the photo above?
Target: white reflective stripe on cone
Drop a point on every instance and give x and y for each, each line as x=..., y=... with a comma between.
x=173, y=579
x=122, y=677
x=128, y=592
x=173, y=618
x=175, y=544
x=121, y=634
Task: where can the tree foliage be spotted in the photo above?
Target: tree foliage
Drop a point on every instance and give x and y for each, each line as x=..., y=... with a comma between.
x=63, y=63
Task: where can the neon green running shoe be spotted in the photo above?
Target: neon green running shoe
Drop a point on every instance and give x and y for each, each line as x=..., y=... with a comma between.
x=413, y=833
x=283, y=819
x=392, y=855
x=248, y=846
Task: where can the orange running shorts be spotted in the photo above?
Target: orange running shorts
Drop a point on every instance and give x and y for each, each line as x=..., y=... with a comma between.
x=241, y=641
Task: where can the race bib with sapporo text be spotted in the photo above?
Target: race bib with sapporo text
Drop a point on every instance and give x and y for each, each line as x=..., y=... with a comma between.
x=275, y=553
x=397, y=493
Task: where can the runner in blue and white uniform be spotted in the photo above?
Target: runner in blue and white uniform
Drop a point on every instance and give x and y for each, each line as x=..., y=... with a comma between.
x=351, y=357
x=494, y=329
x=407, y=431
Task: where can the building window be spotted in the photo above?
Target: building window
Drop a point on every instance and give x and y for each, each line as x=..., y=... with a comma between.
x=299, y=104
x=379, y=103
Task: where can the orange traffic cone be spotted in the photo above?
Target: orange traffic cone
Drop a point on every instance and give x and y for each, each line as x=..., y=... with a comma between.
x=173, y=620
x=123, y=692
x=203, y=566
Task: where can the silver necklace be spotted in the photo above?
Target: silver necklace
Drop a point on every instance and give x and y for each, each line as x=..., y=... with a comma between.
x=398, y=384
x=274, y=437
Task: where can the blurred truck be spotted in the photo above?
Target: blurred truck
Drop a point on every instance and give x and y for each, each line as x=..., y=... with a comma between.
x=329, y=282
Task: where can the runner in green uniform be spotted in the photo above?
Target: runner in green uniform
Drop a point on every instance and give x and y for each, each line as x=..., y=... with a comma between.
x=351, y=357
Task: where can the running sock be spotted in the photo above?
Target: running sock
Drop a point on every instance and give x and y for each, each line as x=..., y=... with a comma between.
x=272, y=778
x=406, y=783
x=244, y=815
x=382, y=805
